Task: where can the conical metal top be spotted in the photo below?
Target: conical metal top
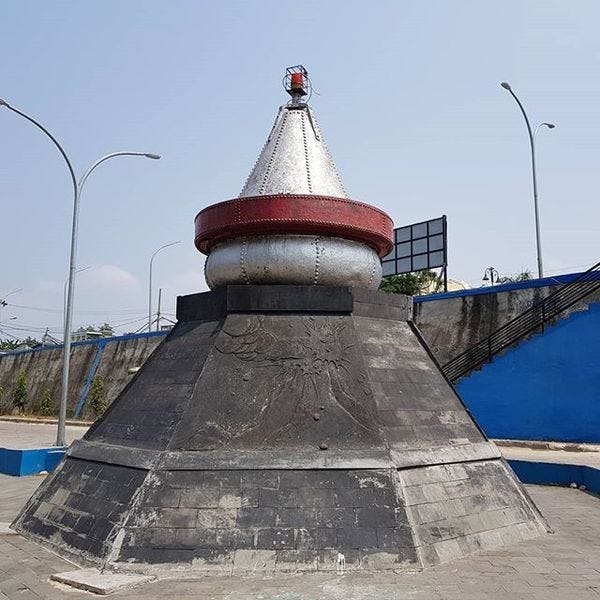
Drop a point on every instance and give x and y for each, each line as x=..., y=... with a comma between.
x=294, y=159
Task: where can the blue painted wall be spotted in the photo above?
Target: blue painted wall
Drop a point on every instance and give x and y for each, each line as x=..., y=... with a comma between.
x=546, y=388
x=28, y=461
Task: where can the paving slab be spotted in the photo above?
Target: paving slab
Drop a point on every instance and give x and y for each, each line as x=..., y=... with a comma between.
x=100, y=582
x=6, y=530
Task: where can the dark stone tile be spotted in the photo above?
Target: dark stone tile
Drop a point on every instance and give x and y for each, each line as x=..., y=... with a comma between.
x=365, y=497
x=356, y=537
x=262, y=479
x=315, y=518
x=278, y=498
x=324, y=538
x=257, y=517
x=316, y=498
x=275, y=538
x=394, y=537
x=176, y=517
x=223, y=478
x=375, y=517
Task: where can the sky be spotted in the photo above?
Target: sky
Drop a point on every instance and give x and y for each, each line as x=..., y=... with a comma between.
x=408, y=98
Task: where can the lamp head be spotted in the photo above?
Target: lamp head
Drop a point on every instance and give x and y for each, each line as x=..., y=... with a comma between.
x=3, y=102
x=152, y=156
x=550, y=125
x=485, y=277
x=506, y=85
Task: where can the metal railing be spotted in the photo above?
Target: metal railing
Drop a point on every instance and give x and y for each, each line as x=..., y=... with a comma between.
x=532, y=319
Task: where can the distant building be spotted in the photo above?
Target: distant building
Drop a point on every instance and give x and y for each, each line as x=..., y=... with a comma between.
x=82, y=335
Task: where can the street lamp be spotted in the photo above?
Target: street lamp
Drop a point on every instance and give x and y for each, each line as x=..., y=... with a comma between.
x=77, y=188
x=491, y=275
x=3, y=301
x=538, y=237
x=150, y=282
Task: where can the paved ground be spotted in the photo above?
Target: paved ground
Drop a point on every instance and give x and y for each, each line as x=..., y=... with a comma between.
x=34, y=435
x=14, y=492
x=590, y=458
x=562, y=566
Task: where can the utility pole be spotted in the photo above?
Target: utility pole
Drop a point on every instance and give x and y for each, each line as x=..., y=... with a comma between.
x=158, y=310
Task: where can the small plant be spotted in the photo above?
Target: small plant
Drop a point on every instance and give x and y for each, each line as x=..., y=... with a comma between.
x=46, y=403
x=412, y=284
x=97, y=396
x=19, y=396
x=1, y=393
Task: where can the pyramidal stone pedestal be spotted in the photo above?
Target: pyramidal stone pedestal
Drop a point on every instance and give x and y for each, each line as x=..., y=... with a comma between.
x=274, y=429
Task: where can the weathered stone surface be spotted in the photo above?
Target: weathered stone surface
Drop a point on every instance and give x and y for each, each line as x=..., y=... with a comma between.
x=102, y=583
x=274, y=429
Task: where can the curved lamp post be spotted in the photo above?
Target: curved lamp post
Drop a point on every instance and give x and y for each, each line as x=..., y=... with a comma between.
x=77, y=187
x=532, y=134
x=150, y=283
x=491, y=275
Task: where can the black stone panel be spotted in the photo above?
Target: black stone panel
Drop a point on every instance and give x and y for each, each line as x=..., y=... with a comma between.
x=417, y=406
x=298, y=299
x=147, y=412
x=305, y=511
x=79, y=511
x=206, y=306
x=282, y=381
x=289, y=298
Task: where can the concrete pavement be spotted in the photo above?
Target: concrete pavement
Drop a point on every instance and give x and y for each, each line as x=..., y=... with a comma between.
x=563, y=565
x=21, y=435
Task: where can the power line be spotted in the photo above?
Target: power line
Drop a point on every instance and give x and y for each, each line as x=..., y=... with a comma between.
x=123, y=312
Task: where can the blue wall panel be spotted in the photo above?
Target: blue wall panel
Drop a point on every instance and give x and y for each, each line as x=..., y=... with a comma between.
x=29, y=461
x=546, y=388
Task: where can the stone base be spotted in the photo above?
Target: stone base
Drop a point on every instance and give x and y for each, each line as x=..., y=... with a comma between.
x=275, y=429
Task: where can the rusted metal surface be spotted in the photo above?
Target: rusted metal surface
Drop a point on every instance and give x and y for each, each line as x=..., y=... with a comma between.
x=294, y=214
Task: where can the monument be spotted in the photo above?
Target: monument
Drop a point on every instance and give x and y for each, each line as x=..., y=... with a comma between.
x=294, y=419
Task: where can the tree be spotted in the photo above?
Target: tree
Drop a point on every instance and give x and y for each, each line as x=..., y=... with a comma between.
x=46, y=403
x=523, y=276
x=13, y=344
x=8, y=344
x=412, y=284
x=20, y=392
x=97, y=396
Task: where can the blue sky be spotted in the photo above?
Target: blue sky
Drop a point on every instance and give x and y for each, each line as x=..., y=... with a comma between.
x=408, y=100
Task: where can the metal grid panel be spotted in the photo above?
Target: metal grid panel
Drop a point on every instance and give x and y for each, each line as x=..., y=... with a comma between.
x=418, y=246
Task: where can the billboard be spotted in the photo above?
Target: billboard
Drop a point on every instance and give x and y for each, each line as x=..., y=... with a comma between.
x=418, y=246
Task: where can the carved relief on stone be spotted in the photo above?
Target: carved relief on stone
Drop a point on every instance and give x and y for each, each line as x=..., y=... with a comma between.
x=286, y=381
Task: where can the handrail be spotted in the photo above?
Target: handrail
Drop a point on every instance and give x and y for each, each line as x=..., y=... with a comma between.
x=531, y=319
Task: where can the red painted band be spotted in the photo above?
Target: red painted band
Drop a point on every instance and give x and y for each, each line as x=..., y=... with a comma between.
x=294, y=213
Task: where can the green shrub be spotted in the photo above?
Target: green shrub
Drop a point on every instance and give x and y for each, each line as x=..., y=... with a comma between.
x=46, y=403
x=19, y=396
x=97, y=396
